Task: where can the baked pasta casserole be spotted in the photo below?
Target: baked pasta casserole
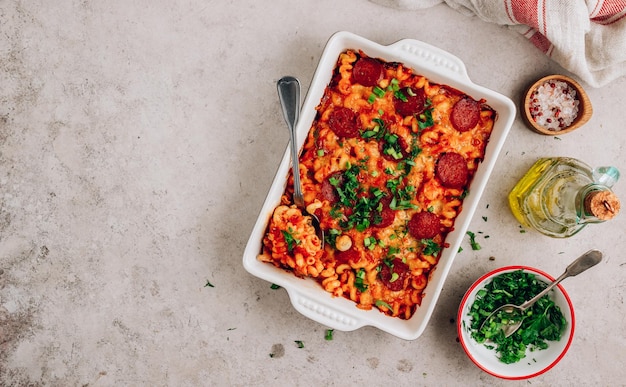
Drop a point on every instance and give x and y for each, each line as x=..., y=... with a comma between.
x=385, y=167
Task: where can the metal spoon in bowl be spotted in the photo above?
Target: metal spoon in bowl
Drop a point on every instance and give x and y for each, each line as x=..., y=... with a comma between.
x=289, y=94
x=514, y=313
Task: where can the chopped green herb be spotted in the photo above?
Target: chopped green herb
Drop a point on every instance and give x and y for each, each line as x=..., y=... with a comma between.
x=359, y=280
x=430, y=247
x=380, y=303
x=331, y=236
x=370, y=242
x=371, y=98
x=402, y=194
x=208, y=284
x=473, y=243
x=290, y=240
x=362, y=204
x=378, y=91
x=425, y=120
x=274, y=287
x=394, y=85
x=485, y=218
x=329, y=334
x=299, y=343
x=543, y=321
x=400, y=95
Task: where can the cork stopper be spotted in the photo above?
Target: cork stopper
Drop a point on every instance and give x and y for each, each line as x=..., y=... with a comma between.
x=604, y=205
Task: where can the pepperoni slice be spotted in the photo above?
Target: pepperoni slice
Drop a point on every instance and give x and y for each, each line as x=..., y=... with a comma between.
x=368, y=71
x=343, y=121
x=350, y=255
x=385, y=217
x=414, y=104
x=398, y=281
x=452, y=170
x=424, y=225
x=393, y=147
x=329, y=191
x=465, y=114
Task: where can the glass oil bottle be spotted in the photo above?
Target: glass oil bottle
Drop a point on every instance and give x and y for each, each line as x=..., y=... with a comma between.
x=559, y=196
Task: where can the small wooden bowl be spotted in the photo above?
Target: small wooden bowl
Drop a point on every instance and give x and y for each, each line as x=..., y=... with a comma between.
x=585, y=109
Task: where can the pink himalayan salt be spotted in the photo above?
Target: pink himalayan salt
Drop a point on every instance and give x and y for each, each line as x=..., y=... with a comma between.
x=554, y=105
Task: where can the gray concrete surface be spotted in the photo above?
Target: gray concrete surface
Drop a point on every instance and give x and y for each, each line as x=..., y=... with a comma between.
x=137, y=142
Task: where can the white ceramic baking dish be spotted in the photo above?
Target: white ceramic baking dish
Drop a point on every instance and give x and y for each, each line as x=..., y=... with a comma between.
x=305, y=294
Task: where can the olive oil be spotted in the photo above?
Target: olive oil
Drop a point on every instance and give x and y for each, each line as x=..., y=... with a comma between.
x=559, y=196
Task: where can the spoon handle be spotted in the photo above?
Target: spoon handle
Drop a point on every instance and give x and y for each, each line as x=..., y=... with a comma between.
x=582, y=263
x=289, y=94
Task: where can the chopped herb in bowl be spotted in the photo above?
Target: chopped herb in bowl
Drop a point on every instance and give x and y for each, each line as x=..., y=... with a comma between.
x=543, y=322
x=538, y=345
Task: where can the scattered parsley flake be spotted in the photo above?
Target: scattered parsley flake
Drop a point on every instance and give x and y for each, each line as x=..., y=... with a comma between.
x=208, y=284
x=274, y=286
x=329, y=334
x=299, y=343
x=473, y=243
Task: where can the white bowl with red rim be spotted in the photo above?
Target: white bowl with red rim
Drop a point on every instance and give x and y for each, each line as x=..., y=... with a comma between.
x=536, y=362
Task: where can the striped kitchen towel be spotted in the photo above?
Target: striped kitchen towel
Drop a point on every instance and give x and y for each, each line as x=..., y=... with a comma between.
x=586, y=37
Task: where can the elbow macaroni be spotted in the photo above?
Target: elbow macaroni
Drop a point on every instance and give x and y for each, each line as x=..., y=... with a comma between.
x=384, y=266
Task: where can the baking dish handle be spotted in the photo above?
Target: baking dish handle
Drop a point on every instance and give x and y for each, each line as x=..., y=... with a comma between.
x=440, y=60
x=324, y=314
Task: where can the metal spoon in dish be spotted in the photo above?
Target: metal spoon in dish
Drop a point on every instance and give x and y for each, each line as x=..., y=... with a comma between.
x=513, y=314
x=289, y=94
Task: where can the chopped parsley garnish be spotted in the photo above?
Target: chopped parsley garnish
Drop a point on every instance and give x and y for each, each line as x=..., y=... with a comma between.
x=363, y=204
x=330, y=236
x=299, y=343
x=359, y=280
x=401, y=195
x=473, y=243
x=430, y=247
x=380, y=303
x=378, y=91
x=377, y=132
x=274, y=287
x=208, y=284
x=329, y=334
x=391, y=146
x=370, y=242
x=400, y=95
x=425, y=119
x=543, y=321
x=290, y=240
